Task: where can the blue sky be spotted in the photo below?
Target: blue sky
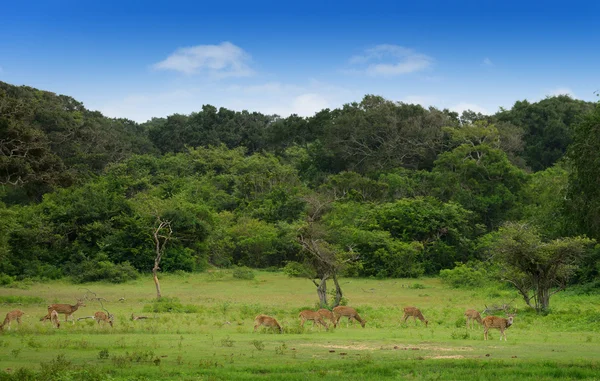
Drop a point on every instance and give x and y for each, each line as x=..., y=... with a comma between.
x=144, y=59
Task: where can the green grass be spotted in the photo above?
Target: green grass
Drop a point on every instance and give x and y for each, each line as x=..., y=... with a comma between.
x=210, y=337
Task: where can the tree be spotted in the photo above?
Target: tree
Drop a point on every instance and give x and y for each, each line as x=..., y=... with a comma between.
x=324, y=258
x=547, y=127
x=537, y=269
x=583, y=196
x=162, y=234
x=481, y=179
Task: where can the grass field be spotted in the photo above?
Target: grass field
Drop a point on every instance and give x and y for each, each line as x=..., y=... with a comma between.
x=213, y=340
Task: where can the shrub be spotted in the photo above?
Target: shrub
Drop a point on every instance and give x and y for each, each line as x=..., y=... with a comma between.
x=166, y=304
x=464, y=275
x=103, y=270
x=243, y=273
x=296, y=270
x=6, y=279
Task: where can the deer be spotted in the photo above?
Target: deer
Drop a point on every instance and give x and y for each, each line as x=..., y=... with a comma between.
x=473, y=315
x=314, y=316
x=267, y=321
x=66, y=309
x=497, y=322
x=348, y=312
x=12, y=315
x=326, y=314
x=415, y=313
x=101, y=316
x=54, y=319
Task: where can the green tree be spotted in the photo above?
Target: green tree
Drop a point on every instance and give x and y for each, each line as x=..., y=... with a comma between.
x=481, y=179
x=536, y=268
x=547, y=127
x=583, y=196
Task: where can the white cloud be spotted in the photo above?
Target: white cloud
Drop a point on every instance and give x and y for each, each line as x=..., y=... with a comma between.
x=219, y=61
x=464, y=106
x=561, y=91
x=487, y=62
x=389, y=60
x=268, y=98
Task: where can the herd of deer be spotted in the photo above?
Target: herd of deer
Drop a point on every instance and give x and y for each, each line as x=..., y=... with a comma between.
x=52, y=315
x=318, y=318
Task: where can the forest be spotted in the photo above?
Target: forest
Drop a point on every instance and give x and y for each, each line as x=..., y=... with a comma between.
x=375, y=188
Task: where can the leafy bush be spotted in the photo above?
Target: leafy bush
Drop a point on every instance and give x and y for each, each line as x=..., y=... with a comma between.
x=465, y=275
x=103, y=270
x=243, y=273
x=166, y=304
x=296, y=270
x=6, y=280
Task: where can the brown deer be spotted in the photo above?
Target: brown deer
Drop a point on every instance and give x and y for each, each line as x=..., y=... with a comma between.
x=66, y=309
x=101, y=316
x=497, y=322
x=415, y=313
x=326, y=314
x=472, y=315
x=348, y=312
x=12, y=315
x=267, y=321
x=314, y=316
x=54, y=319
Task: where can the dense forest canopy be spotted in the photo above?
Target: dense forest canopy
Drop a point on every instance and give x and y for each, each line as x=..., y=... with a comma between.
x=401, y=189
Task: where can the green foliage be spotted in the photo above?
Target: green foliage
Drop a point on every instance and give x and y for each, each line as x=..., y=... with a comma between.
x=533, y=265
x=468, y=275
x=170, y=304
x=6, y=280
x=243, y=273
x=583, y=197
x=481, y=179
x=298, y=270
x=547, y=127
x=102, y=270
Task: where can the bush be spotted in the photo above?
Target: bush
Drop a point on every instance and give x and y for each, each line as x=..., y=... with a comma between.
x=465, y=275
x=166, y=304
x=103, y=270
x=6, y=280
x=296, y=270
x=243, y=273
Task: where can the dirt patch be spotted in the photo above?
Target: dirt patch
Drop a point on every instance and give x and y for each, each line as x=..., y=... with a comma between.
x=360, y=347
x=363, y=347
x=455, y=357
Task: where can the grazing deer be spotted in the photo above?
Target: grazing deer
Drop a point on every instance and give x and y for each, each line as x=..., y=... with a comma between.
x=415, y=313
x=326, y=314
x=497, y=322
x=54, y=319
x=12, y=315
x=472, y=315
x=66, y=309
x=348, y=312
x=101, y=316
x=267, y=321
x=312, y=315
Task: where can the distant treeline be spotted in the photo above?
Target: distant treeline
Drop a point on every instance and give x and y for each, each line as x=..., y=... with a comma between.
x=408, y=190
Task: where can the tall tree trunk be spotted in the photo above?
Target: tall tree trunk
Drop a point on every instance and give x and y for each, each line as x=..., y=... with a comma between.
x=156, y=282
x=338, y=291
x=322, y=290
x=160, y=242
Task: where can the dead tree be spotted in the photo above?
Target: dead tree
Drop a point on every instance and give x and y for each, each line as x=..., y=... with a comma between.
x=162, y=235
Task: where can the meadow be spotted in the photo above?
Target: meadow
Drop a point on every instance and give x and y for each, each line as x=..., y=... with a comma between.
x=203, y=330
